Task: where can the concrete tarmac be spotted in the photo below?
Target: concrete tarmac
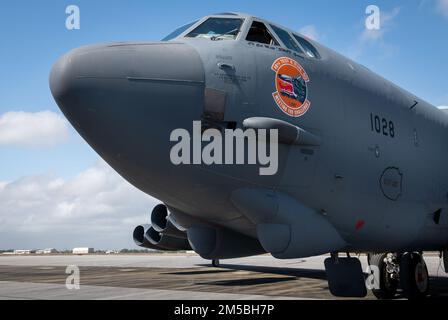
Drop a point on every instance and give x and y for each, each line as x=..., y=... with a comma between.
x=176, y=276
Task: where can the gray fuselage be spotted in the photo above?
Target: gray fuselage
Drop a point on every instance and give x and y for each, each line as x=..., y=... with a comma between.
x=382, y=190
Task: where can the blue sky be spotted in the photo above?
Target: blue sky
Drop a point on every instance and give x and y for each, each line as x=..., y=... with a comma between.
x=410, y=50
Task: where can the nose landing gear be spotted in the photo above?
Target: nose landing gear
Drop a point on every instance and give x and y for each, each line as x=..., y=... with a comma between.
x=406, y=270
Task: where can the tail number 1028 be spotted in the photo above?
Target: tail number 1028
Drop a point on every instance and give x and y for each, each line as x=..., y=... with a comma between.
x=382, y=126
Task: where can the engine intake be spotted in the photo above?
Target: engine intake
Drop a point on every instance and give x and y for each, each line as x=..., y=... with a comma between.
x=165, y=241
x=161, y=223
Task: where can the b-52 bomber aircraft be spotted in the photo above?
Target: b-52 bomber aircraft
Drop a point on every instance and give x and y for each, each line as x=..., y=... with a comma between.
x=257, y=140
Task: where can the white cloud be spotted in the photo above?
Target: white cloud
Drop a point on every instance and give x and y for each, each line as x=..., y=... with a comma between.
x=310, y=31
x=32, y=129
x=96, y=208
x=442, y=7
x=375, y=38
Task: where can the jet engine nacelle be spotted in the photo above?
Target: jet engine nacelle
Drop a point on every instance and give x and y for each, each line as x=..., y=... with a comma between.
x=161, y=223
x=219, y=243
x=166, y=242
x=139, y=237
x=161, y=234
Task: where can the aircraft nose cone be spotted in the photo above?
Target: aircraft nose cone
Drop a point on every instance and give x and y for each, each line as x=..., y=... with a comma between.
x=67, y=73
x=59, y=78
x=126, y=98
x=103, y=77
x=173, y=64
x=66, y=81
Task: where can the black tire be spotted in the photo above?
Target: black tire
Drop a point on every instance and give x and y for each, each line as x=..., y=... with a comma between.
x=215, y=263
x=388, y=285
x=414, y=278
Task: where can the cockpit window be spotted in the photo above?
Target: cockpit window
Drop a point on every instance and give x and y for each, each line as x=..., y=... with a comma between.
x=178, y=31
x=286, y=39
x=310, y=51
x=218, y=29
x=225, y=14
x=259, y=33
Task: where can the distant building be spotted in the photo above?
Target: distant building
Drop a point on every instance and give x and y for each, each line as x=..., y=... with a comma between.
x=83, y=251
x=47, y=251
x=20, y=251
x=112, y=252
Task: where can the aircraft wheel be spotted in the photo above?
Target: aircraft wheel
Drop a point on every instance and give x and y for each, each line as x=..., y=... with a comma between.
x=215, y=263
x=388, y=283
x=414, y=277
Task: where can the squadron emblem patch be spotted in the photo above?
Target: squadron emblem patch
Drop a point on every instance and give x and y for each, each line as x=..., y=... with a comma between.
x=291, y=84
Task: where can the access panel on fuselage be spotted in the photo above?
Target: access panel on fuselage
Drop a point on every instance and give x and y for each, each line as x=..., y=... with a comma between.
x=230, y=69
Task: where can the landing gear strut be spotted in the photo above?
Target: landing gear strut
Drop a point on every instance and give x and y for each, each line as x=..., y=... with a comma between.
x=215, y=263
x=393, y=270
x=388, y=277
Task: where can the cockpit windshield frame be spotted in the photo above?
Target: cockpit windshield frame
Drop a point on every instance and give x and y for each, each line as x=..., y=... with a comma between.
x=244, y=29
x=180, y=31
x=268, y=28
x=217, y=36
